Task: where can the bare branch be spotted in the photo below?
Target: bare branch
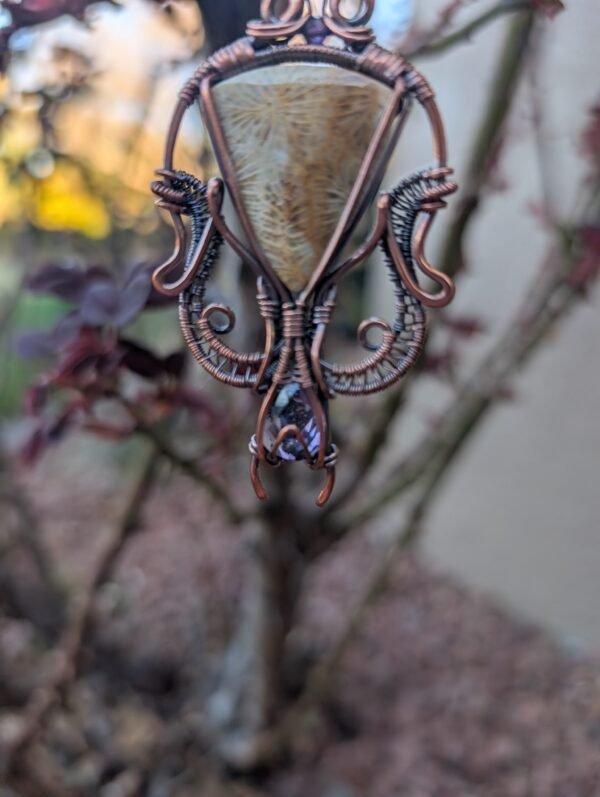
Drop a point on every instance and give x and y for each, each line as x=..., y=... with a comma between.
x=390, y=408
x=433, y=45
x=217, y=491
x=489, y=139
x=70, y=647
x=225, y=22
x=46, y=612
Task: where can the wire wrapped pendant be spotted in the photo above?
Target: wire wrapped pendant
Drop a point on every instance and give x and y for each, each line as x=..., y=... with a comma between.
x=302, y=132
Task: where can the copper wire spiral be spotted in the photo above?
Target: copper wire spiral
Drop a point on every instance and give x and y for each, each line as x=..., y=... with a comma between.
x=332, y=9
x=294, y=15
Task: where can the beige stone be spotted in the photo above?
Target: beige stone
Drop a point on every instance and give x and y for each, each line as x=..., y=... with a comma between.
x=297, y=135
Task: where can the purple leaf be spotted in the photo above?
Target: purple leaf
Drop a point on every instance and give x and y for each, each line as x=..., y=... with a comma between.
x=34, y=344
x=465, y=326
x=36, y=399
x=57, y=429
x=89, y=352
x=175, y=364
x=104, y=303
x=134, y=295
x=155, y=300
x=65, y=282
x=34, y=446
x=145, y=363
x=100, y=304
x=141, y=361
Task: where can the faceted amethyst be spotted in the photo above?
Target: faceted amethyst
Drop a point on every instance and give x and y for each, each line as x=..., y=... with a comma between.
x=292, y=408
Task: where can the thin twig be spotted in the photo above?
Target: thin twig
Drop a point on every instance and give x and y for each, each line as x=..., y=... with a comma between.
x=218, y=492
x=69, y=650
x=489, y=139
x=418, y=36
x=29, y=537
x=367, y=456
x=29, y=534
x=427, y=49
x=544, y=156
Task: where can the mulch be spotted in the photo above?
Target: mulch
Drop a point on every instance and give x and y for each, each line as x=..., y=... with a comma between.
x=443, y=695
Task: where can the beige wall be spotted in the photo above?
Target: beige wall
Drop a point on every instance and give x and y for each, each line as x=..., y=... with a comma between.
x=520, y=516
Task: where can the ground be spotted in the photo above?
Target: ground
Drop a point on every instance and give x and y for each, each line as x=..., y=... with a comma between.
x=443, y=695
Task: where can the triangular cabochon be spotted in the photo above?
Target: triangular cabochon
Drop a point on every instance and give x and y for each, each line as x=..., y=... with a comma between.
x=297, y=135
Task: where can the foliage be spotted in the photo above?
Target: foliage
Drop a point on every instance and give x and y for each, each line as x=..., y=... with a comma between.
x=93, y=359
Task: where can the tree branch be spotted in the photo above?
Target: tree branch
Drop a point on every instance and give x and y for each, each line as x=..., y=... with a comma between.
x=436, y=46
x=45, y=612
x=489, y=139
x=217, y=491
x=226, y=22
x=367, y=456
x=45, y=698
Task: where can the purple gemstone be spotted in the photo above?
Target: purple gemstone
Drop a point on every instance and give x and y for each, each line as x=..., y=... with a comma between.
x=292, y=408
x=315, y=31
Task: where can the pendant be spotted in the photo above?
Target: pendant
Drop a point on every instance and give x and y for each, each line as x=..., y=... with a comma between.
x=303, y=115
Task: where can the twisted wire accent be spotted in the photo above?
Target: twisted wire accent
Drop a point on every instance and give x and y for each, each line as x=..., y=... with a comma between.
x=332, y=457
x=293, y=321
x=322, y=314
x=418, y=85
x=190, y=91
x=268, y=307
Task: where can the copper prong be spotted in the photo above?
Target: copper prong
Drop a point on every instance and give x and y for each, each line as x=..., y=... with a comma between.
x=259, y=489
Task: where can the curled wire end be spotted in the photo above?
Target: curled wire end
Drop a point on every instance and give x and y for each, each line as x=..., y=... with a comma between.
x=330, y=465
x=324, y=495
x=327, y=491
x=259, y=489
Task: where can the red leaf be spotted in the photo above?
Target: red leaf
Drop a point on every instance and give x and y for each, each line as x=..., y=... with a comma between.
x=441, y=364
x=145, y=363
x=506, y=393
x=197, y=403
x=88, y=363
x=35, y=12
x=34, y=446
x=106, y=430
x=587, y=267
x=35, y=399
x=590, y=139
x=550, y=8
x=465, y=326
x=33, y=344
x=541, y=213
x=46, y=433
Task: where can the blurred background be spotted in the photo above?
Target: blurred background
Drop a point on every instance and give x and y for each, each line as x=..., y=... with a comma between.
x=121, y=565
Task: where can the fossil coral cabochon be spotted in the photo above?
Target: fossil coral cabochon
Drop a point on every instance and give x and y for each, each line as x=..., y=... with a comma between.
x=297, y=134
